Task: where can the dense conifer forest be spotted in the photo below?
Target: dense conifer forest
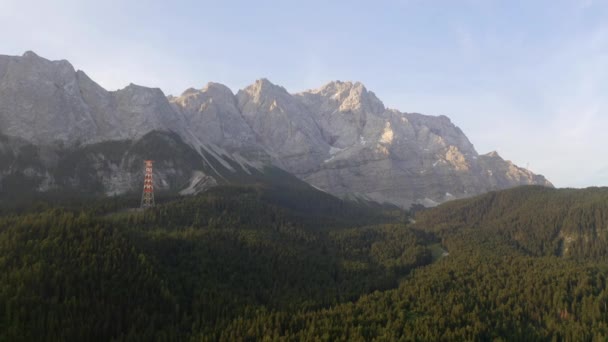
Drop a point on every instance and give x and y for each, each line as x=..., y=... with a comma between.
x=259, y=262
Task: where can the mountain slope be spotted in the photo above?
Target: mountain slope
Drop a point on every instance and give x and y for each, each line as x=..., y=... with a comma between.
x=538, y=220
x=283, y=125
x=212, y=114
x=526, y=264
x=239, y=263
x=391, y=156
x=340, y=138
x=115, y=167
x=48, y=102
x=187, y=268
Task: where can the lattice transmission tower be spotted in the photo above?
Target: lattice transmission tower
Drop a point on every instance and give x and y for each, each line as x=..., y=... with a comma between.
x=147, y=198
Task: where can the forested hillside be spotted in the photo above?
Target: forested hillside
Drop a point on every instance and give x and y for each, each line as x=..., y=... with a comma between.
x=192, y=266
x=538, y=220
x=254, y=262
x=499, y=282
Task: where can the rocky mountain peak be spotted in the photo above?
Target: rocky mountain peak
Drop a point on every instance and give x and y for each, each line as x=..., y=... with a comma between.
x=136, y=98
x=40, y=98
x=263, y=95
x=30, y=54
x=263, y=89
x=135, y=88
x=264, y=82
x=212, y=114
x=211, y=91
x=39, y=64
x=339, y=137
x=283, y=124
x=143, y=109
x=217, y=88
x=211, y=94
x=219, y=92
x=347, y=96
x=190, y=91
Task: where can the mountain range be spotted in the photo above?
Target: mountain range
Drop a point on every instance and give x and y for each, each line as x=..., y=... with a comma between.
x=61, y=131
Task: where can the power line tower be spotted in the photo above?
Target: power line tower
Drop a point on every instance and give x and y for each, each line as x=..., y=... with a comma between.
x=147, y=198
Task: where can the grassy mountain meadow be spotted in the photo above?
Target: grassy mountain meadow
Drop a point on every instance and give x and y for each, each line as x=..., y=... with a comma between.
x=281, y=261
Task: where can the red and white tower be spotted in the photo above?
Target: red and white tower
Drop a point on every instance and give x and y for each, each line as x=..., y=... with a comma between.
x=147, y=198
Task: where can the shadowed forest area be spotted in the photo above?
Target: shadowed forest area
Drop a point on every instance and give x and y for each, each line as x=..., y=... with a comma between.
x=252, y=263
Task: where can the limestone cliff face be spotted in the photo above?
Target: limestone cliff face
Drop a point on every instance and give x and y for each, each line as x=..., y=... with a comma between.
x=283, y=125
x=342, y=139
x=105, y=168
x=504, y=174
x=40, y=100
x=212, y=114
x=339, y=137
x=59, y=130
x=48, y=102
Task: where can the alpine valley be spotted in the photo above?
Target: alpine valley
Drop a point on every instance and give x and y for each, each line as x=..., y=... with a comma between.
x=62, y=132
x=279, y=217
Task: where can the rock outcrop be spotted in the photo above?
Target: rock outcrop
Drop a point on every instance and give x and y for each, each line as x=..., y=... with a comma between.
x=339, y=138
x=283, y=125
x=401, y=158
x=48, y=102
x=212, y=113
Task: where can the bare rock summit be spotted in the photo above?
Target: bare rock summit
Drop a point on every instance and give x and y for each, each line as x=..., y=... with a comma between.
x=340, y=137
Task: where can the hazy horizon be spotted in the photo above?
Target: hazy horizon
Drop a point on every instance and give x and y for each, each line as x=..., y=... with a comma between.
x=525, y=79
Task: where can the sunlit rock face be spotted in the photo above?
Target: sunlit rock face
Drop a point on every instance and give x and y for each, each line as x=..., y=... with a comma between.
x=339, y=137
x=41, y=101
x=401, y=158
x=283, y=125
x=213, y=115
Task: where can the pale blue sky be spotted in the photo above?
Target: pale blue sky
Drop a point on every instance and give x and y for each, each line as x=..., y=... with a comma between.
x=526, y=78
